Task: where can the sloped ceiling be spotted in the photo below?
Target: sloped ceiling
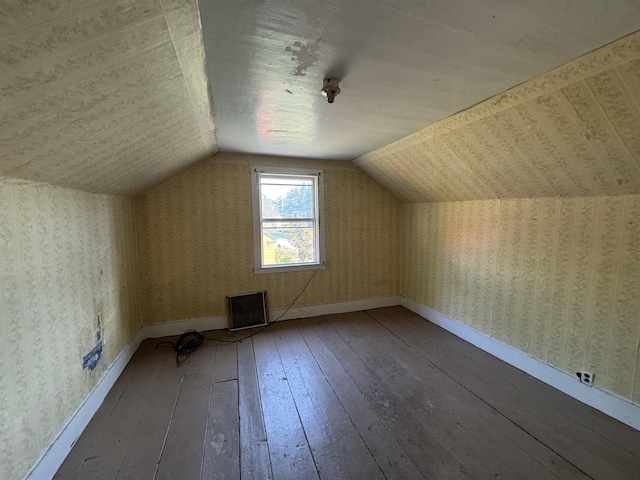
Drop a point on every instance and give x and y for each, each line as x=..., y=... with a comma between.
x=108, y=97
x=402, y=64
x=574, y=131
x=113, y=96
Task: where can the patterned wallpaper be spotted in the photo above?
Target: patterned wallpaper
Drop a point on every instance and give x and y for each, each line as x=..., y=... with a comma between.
x=570, y=132
x=107, y=97
x=196, y=247
x=65, y=256
x=556, y=278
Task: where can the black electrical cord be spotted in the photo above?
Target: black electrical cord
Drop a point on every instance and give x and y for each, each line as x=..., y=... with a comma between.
x=297, y=296
x=190, y=340
x=188, y=343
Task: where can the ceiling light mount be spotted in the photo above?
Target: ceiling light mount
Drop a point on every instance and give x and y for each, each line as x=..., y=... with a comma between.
x=330, y=89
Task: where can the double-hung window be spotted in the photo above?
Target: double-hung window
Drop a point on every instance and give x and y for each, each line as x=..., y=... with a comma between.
x=288, y=226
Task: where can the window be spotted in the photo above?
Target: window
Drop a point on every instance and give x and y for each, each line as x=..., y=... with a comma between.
x=287, y=218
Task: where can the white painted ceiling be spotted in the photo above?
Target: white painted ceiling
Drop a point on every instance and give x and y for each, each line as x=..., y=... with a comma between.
x=403, y=64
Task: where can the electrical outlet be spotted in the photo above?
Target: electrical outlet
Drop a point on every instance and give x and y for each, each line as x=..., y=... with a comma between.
x=585, y=377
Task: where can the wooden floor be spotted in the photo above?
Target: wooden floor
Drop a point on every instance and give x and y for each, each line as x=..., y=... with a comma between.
x=365, y=395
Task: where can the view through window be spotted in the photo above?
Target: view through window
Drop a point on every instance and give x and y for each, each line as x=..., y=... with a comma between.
x=288, y=223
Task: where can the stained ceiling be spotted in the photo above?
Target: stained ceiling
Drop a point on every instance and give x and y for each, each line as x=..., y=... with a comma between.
x=108, y=97
x=116, y=96
x=403, y=64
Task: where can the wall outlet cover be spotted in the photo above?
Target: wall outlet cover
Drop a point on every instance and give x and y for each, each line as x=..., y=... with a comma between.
x=586, y=377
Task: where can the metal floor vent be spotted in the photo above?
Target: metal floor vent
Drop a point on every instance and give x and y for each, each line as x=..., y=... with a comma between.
x=246, y=311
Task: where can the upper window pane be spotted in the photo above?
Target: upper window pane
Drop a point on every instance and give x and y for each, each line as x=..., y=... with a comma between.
x=287, y=197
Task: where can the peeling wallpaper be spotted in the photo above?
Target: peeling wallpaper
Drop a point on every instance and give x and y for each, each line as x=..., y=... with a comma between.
x=556, y=278
x=65, y=256
x=196, y=244
x=570, y=132
x=109, y=97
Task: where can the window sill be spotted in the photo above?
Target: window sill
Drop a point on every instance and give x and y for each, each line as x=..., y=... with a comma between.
x=289, y=268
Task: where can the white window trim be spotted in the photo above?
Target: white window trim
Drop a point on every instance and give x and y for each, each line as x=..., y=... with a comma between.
x=256, y=212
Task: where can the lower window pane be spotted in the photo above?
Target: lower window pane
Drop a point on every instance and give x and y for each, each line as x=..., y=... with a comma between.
x=294, y=243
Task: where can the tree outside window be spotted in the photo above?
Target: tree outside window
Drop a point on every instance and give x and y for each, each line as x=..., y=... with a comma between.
x=287, y=215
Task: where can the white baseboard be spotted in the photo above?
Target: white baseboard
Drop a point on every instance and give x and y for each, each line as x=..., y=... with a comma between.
x=332, y=308
x=617, y=407
x=178, y=327
x=50, y=461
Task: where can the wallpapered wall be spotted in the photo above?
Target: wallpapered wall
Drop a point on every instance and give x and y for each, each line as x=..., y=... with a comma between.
x=110, y=97
x=569, y=132
x=196, y=247
x=65, y=255
x=556, y=278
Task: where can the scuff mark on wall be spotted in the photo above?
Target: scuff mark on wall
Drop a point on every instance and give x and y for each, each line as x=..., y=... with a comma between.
x=305, y=56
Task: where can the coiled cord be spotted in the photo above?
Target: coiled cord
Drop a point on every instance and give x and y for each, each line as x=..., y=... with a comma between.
x=188, y=343
x=190, y=340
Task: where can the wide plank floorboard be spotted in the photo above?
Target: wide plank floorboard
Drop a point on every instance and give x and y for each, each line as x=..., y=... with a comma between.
x=471, y=428
x=378, y=394
x=288, y=447
x=533, y=406
x=338, y=449
x=143, y=453
x=388, y=453
x=222, y=438
x=183, y=448
x=254, y=449
x=401, y=411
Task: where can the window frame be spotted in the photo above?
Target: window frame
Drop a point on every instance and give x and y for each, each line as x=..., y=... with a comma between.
x=256, y=207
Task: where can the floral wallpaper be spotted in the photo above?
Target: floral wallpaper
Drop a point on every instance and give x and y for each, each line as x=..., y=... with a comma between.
x=558, y=279
x=570, y=132
x=196, y=243
x=65, y=257
x=111, y=97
